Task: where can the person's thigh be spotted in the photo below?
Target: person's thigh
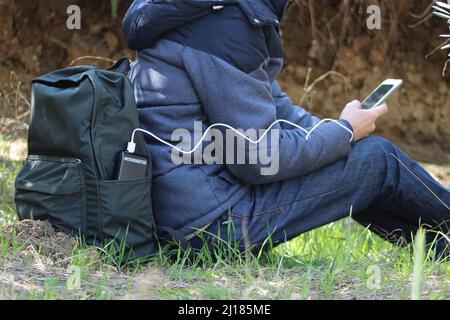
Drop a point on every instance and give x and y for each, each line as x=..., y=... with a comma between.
x=277, y=212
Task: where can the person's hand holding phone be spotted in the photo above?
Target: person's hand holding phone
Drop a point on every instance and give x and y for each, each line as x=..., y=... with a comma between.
x=363, y=121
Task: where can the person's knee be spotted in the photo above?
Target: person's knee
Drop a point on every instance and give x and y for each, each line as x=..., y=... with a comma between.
x=375, y=145
x=378, y=155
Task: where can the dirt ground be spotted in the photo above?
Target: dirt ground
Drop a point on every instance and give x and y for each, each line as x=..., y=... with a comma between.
x=39, y=256
x=39, y=237
x=337, y=39
x=318, y=38
x=440, y=173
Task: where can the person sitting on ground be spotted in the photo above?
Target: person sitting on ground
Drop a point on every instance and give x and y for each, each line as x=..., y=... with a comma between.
x=218, y=62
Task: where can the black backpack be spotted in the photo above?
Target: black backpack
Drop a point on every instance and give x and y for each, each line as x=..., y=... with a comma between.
x=81, y=118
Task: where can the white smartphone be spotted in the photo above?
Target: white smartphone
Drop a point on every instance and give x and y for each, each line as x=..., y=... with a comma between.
x=380, y=94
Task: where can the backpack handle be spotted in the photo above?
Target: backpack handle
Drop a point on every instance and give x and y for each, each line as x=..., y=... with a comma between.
x=121, y=66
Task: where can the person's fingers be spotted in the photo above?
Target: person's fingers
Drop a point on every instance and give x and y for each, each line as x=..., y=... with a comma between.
x=355, y=104
x=381, y=110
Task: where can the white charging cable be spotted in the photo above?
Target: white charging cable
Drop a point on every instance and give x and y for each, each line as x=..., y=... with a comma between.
x=132, y=145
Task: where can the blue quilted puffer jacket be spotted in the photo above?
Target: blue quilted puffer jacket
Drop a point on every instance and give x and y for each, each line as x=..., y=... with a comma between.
x=217, y=62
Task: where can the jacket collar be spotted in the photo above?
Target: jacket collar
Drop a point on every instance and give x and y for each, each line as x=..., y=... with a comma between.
x=264, y=12
x=259, y=12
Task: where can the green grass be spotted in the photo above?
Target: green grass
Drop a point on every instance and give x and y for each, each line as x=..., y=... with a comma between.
x=339, y=261
x=114, y=8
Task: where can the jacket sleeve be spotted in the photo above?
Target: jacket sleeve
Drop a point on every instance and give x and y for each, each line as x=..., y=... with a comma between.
x=245, y=101
x=288, y=111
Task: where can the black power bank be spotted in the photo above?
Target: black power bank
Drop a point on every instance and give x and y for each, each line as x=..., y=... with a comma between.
x=131, y=166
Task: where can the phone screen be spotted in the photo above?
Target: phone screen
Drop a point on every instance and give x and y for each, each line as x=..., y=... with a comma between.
x=375, y=97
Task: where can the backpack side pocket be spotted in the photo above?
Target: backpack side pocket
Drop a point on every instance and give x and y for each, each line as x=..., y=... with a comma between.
x=52, y=188
x=126, y=215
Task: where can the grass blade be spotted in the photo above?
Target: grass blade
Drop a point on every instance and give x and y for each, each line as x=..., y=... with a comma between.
x=419, y=260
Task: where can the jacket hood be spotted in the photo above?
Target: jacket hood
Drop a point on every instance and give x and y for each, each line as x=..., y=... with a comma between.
x=147, y=20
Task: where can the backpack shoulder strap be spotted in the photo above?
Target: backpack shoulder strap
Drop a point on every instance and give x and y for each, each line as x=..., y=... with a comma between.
x=121, y=66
